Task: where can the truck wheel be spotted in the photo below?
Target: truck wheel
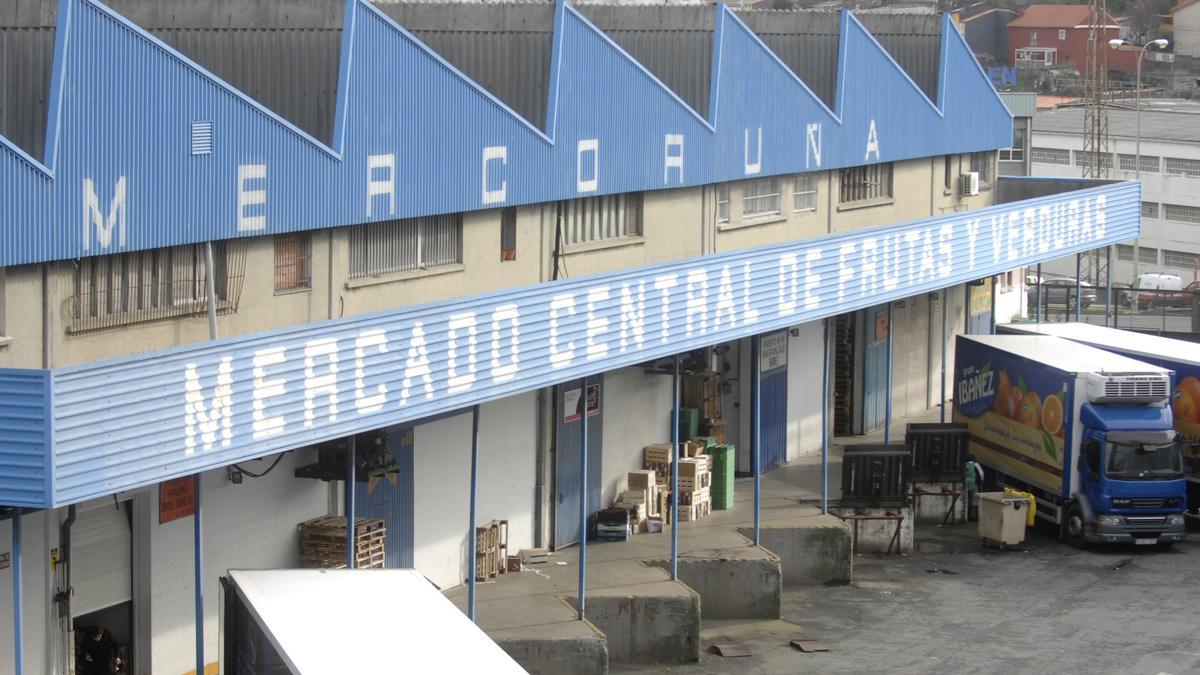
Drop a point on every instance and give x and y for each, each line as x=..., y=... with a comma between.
x=1072, y=528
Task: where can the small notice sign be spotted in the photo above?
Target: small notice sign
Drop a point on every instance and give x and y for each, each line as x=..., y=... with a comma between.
x=5, y=560
x=176, y=499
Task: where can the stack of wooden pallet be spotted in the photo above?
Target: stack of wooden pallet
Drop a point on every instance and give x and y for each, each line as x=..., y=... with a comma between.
x=702, y=391
x=491, y=550
x=323, y=542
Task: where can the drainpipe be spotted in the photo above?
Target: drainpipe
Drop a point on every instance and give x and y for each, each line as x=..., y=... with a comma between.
x=198, y=519
x=756, y=414
x=351, y=461
x=471, y=534
x=18, y=610
x=583, y=497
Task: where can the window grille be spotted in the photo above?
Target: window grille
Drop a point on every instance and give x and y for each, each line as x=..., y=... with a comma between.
x=1181, y=260
x=760, y=197
x=140, y=286
x=1081, y=157
x=985, y=164
x=805, y=198
x=1150, y=209
x=392, y=246
x=1148, y=256
x=723, y=204
x=1050, y=156
x=1176, y=166
x=1124, y=253
x=601, y=218
x=1178, y=213
x=1129, y=163
x=508, y=234
x=862, y=183
x=293, y=261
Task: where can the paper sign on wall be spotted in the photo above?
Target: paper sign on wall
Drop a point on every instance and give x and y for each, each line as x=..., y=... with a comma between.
x=773, y=351
x=176, y=499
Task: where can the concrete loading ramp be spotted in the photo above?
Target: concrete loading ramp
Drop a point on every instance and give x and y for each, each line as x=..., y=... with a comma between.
x=636, y=613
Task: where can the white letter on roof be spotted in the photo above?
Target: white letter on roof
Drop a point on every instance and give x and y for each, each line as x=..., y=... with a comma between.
x=560, y=305
x=374, y=402
x=672, y=161
x=265, y=389
x=93, y=217
x=384, y=185
x=460, y=322
x=199, y=415
x=498, y=153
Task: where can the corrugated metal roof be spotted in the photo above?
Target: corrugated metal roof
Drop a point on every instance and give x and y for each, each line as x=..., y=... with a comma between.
x=914, y=40
x=1056, y=16
x=807, y=42
x=1159, y=125
x=26, y=55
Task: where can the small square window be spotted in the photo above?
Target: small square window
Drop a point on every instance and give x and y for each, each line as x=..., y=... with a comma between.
x=723, y=204
x=293, y=261
x=508, y=234
x=1062, y=35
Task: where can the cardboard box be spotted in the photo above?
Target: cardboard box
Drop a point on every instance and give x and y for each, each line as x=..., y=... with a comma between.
x=690, y=467
x=654, y=524
x=658, y=453
x=634, y=497
x=641, y=480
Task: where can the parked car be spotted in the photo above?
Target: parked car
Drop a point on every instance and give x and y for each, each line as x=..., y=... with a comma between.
x=1061, y=292
x=1159, y=290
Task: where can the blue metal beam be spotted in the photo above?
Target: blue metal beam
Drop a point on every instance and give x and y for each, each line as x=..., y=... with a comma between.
x=1107, y=284
x=1078, y=285
x=1038, y=301
x=198, y=569
x=472, y=535
x=351, y=481
x=675, y=385
x=756, y=435
x=583, y=498
x=887, y=397
x=825, y=416
x=944, y=294
x=18, y=606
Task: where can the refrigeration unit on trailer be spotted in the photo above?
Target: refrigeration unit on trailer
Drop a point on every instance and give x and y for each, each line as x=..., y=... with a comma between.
x=1088, y=432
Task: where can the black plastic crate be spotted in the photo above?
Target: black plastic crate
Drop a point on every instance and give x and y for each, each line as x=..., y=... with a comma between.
x=875, y=475
x=939, y=451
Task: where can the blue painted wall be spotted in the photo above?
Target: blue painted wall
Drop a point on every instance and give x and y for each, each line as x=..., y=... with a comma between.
x=120, y=173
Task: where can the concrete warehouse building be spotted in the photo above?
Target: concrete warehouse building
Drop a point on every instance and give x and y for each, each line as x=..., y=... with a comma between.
x=1170, y=178
x=234, y=240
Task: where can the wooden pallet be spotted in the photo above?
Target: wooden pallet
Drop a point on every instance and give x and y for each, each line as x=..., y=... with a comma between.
x=491, y=550
x=323, y=542
x=695, y=511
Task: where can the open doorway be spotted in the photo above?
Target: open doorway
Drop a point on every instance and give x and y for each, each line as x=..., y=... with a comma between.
x=103, y=639
x=101, y=569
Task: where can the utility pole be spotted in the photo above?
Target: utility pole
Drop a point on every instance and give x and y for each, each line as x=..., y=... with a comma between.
x=1098, y=160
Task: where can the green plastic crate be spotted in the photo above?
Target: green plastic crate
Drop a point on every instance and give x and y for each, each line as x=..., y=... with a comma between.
x=724, y=466
x=689, y=423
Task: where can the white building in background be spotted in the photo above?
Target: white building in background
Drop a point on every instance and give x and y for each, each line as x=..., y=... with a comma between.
x=1170, y=175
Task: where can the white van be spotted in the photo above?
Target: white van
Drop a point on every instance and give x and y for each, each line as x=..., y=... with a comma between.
x=1163, y=290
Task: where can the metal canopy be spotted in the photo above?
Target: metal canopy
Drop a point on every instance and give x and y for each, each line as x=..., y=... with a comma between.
x=85, y=431
x=145, y=149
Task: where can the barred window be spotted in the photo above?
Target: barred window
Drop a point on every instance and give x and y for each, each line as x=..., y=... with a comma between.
x=723, y=204
x=1124, y=253
x=293, y=261
x=1130, y=163
x=805, y=198
x=1178, y=213
x=948, y=171
x=1148, y=256
x=760, y=197
x=1150, y=209
x=1176, y=166
x=601, y=218
x=1181, y=260
x=1081, y=157
x=984, y=163
x=125, y=288
x=1050, y=156
x=862, y=183
x=401, y=245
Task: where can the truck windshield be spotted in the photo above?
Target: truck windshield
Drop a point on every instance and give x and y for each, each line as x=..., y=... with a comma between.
x=1144, y=461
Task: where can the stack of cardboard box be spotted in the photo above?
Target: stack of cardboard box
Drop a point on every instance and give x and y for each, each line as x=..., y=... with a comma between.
x=695, y=488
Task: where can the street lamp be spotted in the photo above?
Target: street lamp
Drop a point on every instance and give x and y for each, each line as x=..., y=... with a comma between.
x=1118, y=43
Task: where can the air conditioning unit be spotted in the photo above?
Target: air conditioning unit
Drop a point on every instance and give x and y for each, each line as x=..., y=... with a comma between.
x=970, y=183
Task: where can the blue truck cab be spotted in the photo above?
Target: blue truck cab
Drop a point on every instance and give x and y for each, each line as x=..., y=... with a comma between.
x=1088, y=432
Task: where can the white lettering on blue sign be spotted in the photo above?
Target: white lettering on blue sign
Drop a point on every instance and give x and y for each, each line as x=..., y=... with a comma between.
x=672, y=156
x=872, y=143
x=496, y=195
x=103, y=224
x=589, y=147
x=812, y=152
x=751, y=168
x=381, y=182
x=404, y=364
x=251, y=197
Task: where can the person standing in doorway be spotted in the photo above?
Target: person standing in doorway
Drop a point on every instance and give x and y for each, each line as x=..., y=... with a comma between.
x=97, y=652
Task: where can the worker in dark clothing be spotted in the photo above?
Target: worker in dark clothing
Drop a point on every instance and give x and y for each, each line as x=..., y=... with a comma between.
x=98, y=652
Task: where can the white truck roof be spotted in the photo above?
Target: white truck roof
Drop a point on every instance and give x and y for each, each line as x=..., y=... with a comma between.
x=1150, y=346
x=1067, y=356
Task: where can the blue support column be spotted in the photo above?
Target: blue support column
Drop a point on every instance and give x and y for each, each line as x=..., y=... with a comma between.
x=198, y=567
x=756, y=432
x=825, y=416
x=471, y=533
x=583, y=498
x=1078, y=285
x=675, y=469
x=887, y=397
x=351, y=478
x=992, y=322
x=1107, y=284
x=18, y=608
x=1037, y=312
x=945, y=295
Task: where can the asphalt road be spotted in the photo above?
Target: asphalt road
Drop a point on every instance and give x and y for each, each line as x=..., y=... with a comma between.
x=1171, y=320
x=953, y=607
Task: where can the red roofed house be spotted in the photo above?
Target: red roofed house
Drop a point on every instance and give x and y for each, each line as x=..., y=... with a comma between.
x=1049, y=35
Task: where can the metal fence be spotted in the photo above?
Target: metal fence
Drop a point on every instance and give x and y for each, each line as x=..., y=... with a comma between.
x=1173, y=312
x=126, y=288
